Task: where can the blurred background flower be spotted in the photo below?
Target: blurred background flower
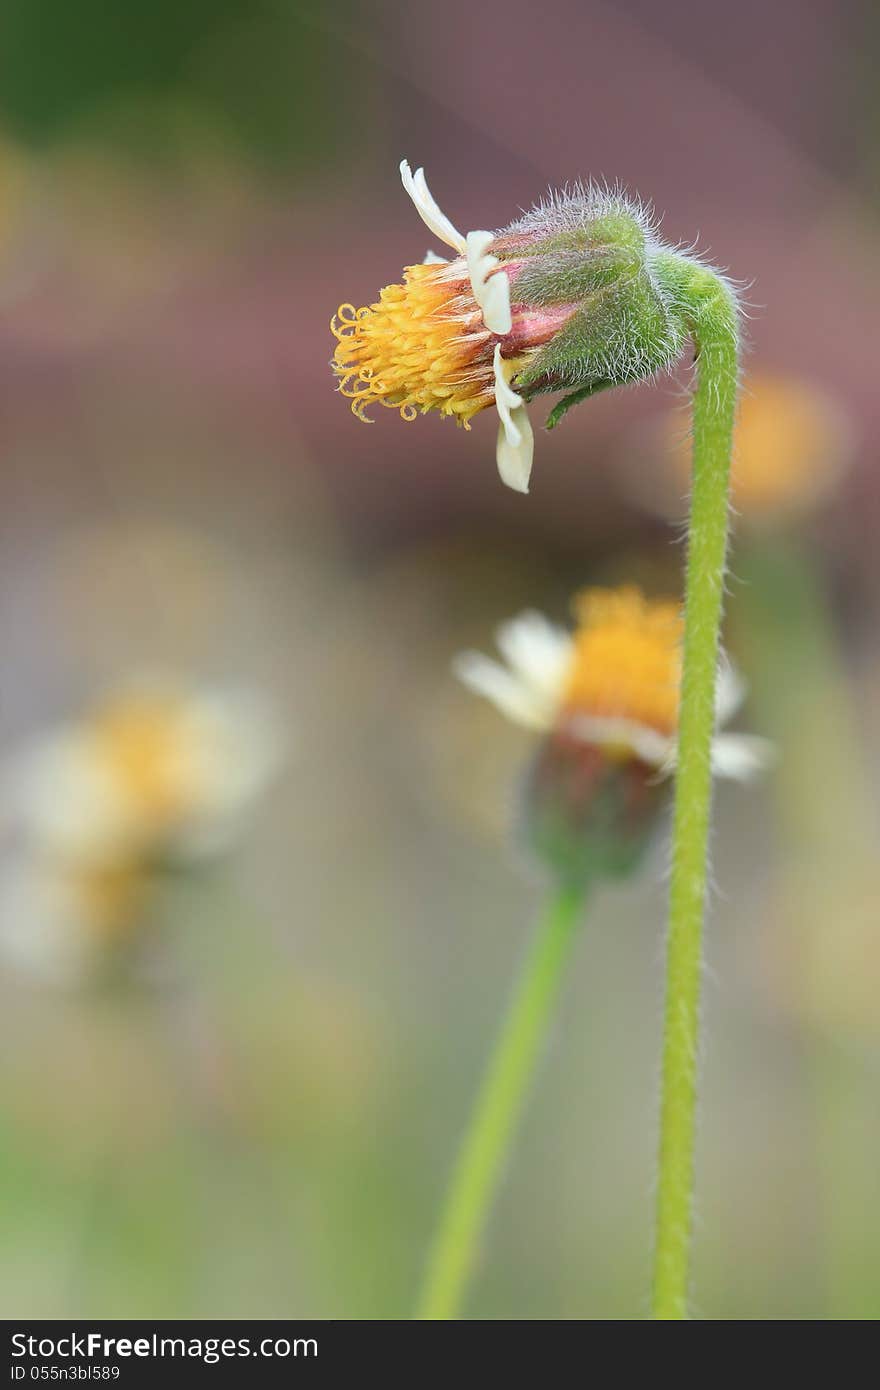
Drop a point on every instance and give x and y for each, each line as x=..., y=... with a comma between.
x=156, y=776
x=269, y=1127
x=605, y=699
x=155, y=772
x=792, y=443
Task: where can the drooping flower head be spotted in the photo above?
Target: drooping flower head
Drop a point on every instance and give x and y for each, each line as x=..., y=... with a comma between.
x=567, y=298
x=606, y=697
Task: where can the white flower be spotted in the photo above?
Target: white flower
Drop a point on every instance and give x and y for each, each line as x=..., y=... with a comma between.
x=491, y=290
x=533, y=685
x=156, y=770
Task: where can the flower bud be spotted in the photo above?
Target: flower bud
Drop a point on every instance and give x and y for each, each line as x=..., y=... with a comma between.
x=587, y=305
x=586, y=815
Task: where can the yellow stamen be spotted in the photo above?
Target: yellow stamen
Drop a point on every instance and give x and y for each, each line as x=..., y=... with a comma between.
x=627, y=658
x=422, y=347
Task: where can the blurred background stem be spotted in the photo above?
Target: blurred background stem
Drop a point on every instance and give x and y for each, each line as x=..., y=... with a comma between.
x=498, y=1109
x=844, y=1092
x=710, y=313
x=828, y=828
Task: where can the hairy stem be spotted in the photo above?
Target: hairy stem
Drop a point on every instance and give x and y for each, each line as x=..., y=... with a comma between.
x=708, y=309
x=498, y=1109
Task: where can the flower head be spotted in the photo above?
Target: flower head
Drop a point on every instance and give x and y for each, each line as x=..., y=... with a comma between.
x=565, y=298
x=156, y=774
x=154, y=770
x=606, y=699
x=614, y=683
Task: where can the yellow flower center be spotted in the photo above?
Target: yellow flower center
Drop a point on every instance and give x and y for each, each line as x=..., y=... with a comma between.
x=627, y=658
x=142, y=740
x=423, y=347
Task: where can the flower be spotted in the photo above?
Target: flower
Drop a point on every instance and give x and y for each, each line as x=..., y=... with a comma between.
x=566, y=298
x=157, y=774
x=155, y=771
x=613, y=684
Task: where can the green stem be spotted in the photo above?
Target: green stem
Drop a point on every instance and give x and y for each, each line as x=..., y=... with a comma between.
x=708, y=308
x=497, y=1110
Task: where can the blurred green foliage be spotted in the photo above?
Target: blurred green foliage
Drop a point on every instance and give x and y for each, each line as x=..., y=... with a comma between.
x=253, y=71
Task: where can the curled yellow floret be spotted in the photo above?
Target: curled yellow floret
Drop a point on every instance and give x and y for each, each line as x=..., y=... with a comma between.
x=422, y=347
x=626, y=662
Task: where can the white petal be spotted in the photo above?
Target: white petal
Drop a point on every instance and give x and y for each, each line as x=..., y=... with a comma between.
x=492, y=292
x=730, y=691
x=515, y=460
x=234, y=748
x=436, y=221
x=610, y=732
x=737, y=756
x=506, y=399
x=741, y=756
x=516, y=440
x=431, y=258
x=508, y=692
x=70, y=802
x=44, y=924
x=537, y=651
